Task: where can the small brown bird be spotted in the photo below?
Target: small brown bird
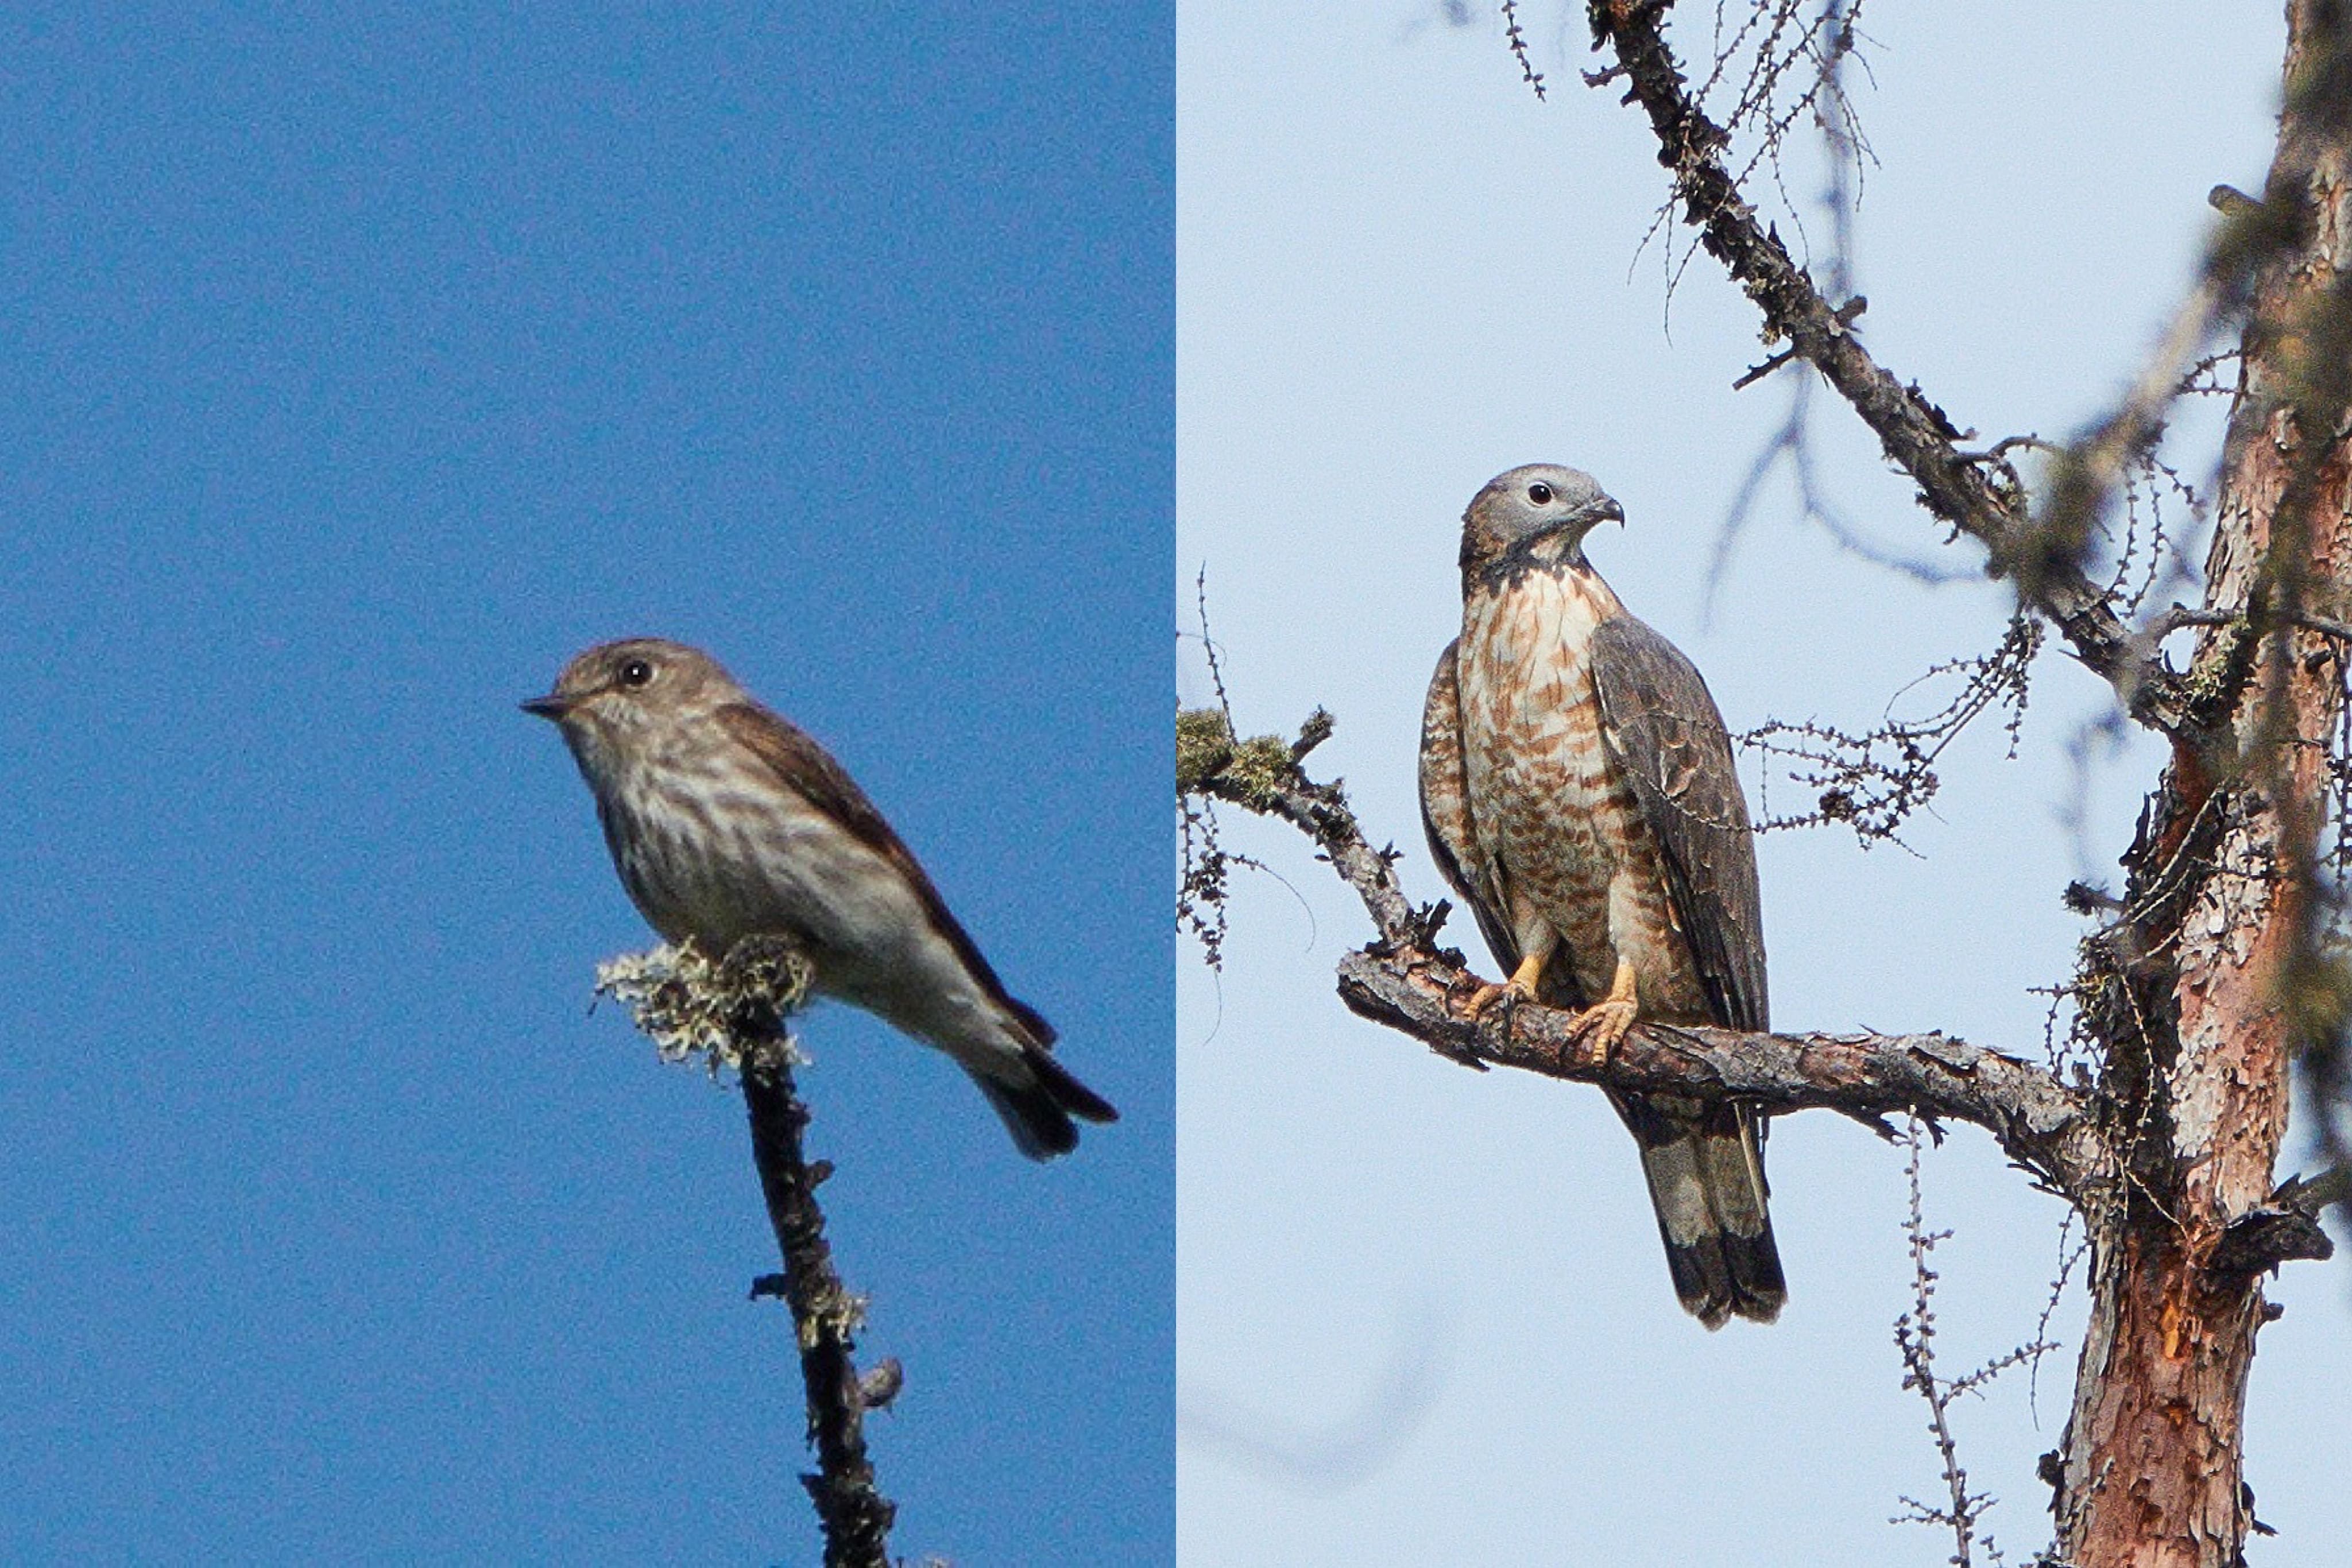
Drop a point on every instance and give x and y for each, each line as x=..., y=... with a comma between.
x=726, y=820
x=1578, y=793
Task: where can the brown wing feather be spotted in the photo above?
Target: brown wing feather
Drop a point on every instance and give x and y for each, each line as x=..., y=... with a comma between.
x=1660, y=725
x=1664, y=729
x=800, y=765
x=1445, y=812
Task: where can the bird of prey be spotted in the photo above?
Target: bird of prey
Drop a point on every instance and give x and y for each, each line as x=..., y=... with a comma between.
x=726, y=820
x=1578, y=790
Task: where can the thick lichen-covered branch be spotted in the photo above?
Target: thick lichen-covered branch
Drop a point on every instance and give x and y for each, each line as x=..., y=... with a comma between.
x=1405, y=981
x=732, y=1013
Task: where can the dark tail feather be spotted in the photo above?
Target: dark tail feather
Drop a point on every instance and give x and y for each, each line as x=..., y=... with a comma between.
x=1038, y=1113
x=1733, y=1142
x=1706, y=1177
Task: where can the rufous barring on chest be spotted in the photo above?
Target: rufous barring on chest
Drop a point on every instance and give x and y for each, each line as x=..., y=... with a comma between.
x=1551, y=814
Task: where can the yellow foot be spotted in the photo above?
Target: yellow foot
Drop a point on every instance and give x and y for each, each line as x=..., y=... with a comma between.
x=1519, y=987
x=1510, y=993
x=1598, y=1029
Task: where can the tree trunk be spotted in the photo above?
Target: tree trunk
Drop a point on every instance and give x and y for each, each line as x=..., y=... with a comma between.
x=2195, y=1006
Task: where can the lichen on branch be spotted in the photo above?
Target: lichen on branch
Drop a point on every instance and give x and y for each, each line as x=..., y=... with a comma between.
x=693, y=1006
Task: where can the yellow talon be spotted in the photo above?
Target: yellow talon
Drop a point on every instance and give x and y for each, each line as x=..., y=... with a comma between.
x=1519, y=987
x=1598, y=1028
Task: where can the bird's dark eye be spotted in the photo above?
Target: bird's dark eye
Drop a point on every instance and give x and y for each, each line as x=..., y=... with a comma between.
x=1539, y=492
x=637, y=673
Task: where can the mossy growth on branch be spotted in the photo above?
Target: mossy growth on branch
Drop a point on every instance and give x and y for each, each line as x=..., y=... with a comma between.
x=692, y=1006
x=1251, y=773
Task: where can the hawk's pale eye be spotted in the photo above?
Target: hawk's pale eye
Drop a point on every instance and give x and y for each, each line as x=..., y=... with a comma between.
x=637, y=673
x=1539, y=492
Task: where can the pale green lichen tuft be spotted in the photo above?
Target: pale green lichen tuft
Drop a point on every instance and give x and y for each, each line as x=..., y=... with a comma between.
x=840, y=1313
x=1253, y=773
x=1204, y=743
x=2215, y=679
x=692, y=1005
x=1261, y=768
x=1261, y=775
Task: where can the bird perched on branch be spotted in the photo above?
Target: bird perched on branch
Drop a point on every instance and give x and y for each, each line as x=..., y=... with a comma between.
x=726, y=820
x=1578, y=790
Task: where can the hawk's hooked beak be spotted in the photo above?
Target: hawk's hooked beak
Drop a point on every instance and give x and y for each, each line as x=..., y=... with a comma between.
x=549, y=708
x=1609, y=512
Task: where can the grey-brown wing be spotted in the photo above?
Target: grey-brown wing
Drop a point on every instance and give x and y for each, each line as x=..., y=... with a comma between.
x=1662, y=725
x=800, y=764
x=1446, y=812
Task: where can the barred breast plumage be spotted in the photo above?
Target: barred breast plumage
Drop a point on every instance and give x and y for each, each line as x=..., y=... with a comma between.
x=1547, y=803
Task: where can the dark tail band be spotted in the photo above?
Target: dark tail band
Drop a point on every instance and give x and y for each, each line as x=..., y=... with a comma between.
x=1706, y=1174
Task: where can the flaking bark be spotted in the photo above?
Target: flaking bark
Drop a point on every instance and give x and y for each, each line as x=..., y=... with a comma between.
x=2038, y=1123
x=2214, y=972
x=2203, y=1008
x=2152, y=1470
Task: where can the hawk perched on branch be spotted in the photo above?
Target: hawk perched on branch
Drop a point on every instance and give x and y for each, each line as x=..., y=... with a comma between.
x=1578, y=793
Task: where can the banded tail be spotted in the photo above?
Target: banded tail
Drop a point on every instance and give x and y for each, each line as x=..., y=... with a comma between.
x=1706, y=1171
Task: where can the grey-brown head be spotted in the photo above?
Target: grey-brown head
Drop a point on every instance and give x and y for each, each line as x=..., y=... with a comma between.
x=1541, y=511
x=620, y=698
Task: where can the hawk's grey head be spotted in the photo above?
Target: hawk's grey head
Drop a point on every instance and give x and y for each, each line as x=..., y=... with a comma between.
x=1541, y=505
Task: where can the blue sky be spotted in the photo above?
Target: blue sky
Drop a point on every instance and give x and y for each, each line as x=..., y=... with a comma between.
x=1422, y=1315
x=356, y=369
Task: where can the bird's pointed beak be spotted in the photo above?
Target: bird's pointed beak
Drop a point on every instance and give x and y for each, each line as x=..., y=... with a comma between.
x=1613, y=513
x=549, y=708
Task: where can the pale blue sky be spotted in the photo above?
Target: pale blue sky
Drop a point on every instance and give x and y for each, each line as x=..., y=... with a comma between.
x=1399, y=275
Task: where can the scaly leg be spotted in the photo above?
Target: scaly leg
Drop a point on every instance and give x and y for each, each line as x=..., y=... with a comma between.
x=1600, y=1028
